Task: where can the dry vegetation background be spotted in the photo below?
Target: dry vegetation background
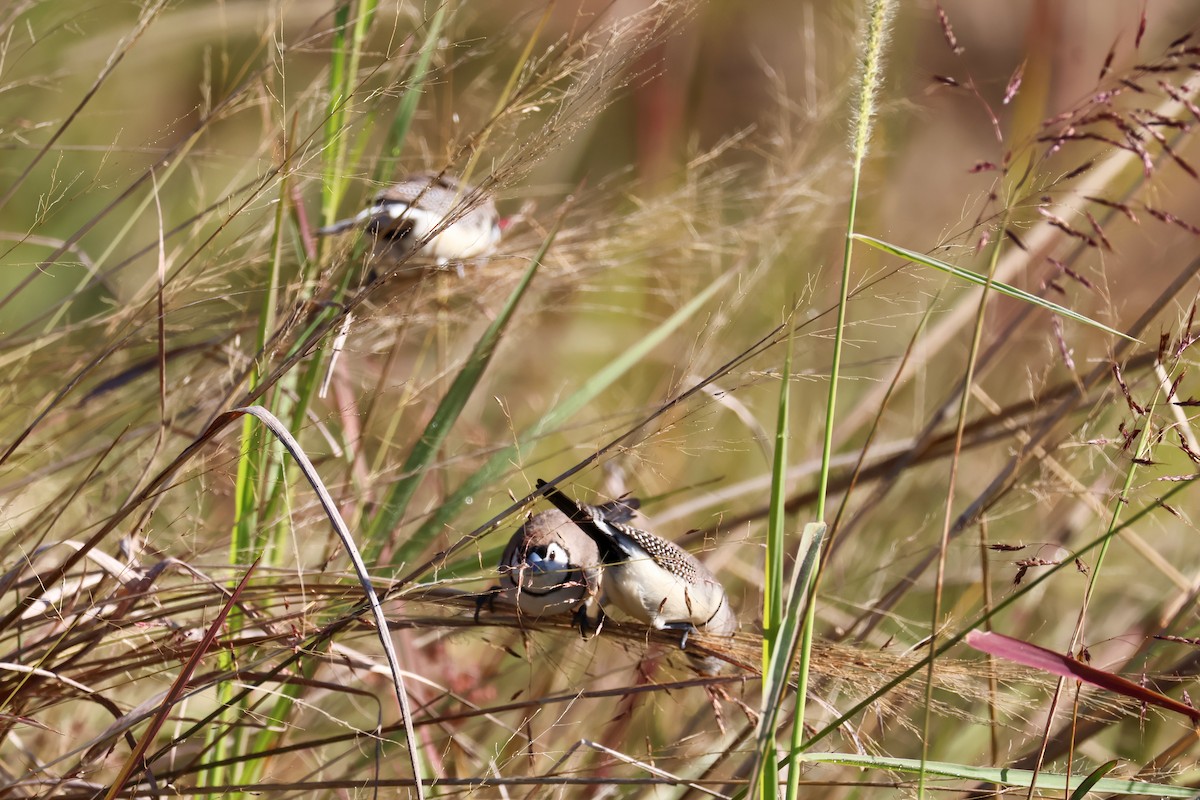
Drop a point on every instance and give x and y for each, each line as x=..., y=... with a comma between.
x=163, y=165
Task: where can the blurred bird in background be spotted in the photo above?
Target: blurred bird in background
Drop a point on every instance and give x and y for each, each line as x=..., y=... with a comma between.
x=435, y=214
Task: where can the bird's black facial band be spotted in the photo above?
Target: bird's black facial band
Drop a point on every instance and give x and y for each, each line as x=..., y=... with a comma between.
x=565, y=580
x=399, y=231
x=383, y=226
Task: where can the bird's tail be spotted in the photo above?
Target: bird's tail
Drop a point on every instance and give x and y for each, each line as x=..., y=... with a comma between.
x=620, y=510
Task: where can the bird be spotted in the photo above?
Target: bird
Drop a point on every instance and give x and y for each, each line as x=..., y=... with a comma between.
x=653, y=580
x=552, y=567
x=430, y=212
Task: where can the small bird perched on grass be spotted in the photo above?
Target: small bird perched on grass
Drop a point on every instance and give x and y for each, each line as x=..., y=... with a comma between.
x=427, y=212
x=552, y=567
x=652, y=579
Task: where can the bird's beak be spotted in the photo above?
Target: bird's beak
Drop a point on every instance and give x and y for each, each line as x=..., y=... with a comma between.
x=543, y=565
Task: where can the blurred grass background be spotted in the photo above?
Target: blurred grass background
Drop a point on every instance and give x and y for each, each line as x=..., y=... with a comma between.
x=686, y=141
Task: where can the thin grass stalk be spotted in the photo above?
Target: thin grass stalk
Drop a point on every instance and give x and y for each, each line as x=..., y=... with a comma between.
x=1016, y=778
x=948, y=517
x=879, y=15
x=161, y=334
x=1140, y=453
x=411, y=390
x=136, y=759
x=506, y=93
x=985, y=579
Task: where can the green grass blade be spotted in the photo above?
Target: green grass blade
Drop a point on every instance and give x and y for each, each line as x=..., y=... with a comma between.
x=601, y=380
x=335, y=121
x=766, y=754
x=1021, y=778
x=447, y=413
x=787, y=643
x=982, y=280
x=1094, y=777
x=776, y=534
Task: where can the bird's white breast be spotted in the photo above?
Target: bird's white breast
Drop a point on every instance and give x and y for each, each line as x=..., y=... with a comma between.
x=643, y=589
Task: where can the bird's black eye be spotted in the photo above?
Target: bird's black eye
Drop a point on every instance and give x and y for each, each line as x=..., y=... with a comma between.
x=555, y=553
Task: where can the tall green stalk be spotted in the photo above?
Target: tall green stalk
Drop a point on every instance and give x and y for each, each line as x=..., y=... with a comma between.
x=871, y=78
x=257, y=459
x=773, y=590
x=343, y=77
x=264, y=477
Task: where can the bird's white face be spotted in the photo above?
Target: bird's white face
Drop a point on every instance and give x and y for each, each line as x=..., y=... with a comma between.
x=549, y=569
x=550, y=566
x=551, y=558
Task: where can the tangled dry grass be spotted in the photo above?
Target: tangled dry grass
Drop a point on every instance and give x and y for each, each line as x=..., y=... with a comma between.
x=176, y=613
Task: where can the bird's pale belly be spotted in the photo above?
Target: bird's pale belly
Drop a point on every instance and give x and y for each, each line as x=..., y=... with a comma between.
x=643, y=590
